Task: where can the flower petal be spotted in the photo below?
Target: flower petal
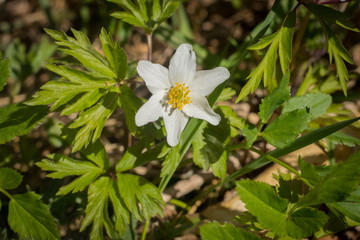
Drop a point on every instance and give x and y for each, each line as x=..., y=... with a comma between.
x=206, y=81
x=182, y=66
x=155, y=76
x=151, y=110
x=200, y=108
x=175, y=123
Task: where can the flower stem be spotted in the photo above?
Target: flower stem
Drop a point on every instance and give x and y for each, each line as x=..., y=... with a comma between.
x=149, y=42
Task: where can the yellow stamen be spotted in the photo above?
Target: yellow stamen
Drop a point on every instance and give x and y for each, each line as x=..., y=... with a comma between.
x=178, y=96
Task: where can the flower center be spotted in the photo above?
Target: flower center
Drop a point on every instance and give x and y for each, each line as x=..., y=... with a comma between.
x=178, y=96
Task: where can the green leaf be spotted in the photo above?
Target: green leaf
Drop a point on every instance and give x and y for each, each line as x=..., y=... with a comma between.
x=308, y=172
x=9, y=178
x=285, y=43
x=262, y=202
x=4, y=71
x=141, y=197
x=96, y=209
x=339, y=53
x=304, y=222
x=263, y=42
x=172, y=160
x=236, y=123
x=280, y=41
x=336, y=185
x=114, y=54
x=129, y=18
x=332, y=16
x=30, y=217
x=81, y=48
x=343, y=139
x=250, y=132
x=215, y=231
x=169, y=9
x=92, y=121
x=96, y=153
x=134, y=157
x=284, y=129
x=317, y=102
x=130, y=104
x=210, y=146
x=19, y=119
x=62, y=166
x=78, y=83
x=350, y=207
x=277, y=97
x=121, y=213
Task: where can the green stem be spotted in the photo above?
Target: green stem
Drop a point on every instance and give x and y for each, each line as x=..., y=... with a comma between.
x=143, y=235
x=180, y=204
x=6, y=193
x=275, y=160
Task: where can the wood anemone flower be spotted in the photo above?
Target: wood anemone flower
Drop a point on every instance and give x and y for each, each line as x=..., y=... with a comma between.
x=178, y=92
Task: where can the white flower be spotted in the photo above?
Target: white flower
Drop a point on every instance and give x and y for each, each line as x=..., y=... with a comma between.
x=178, y=93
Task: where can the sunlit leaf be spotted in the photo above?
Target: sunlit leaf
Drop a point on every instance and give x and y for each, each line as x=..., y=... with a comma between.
x=275, y=99
x=262, y=202
x=283, y=130
x=141, y=197
x=62, y=166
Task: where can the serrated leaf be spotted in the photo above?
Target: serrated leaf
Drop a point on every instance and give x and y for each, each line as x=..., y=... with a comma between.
x=210, y=146
x=122, y=215
x=141, y=197
x=285, y=43
x=339, y=53
x=263, y=42
x=30, y=217
x=226, y=94
x=9, y=178
x=332, y=16
x=19, y=119
x=129, y=18
x=250, y=133
x=262, y=202
x=96, y=153
x=284, y=129
x=308, y=172
x=96, y=209
x=62, y=166
x=114, y=54
x=350, y=207
x=134, y=156
x=336, y=185
x=280, y=41
x=215, y=231
x=92, y=121
x=304, y=222
x=130, y=104
x=80, y=48
x=317, y=102
x=4, y=71
x=275, y=99
x=236, y=123
x=169, y=9
x=60, y=92
x=343, y=139
x=171, y=161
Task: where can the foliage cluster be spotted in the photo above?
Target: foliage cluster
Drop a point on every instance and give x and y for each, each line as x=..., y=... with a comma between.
x=313, y=202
